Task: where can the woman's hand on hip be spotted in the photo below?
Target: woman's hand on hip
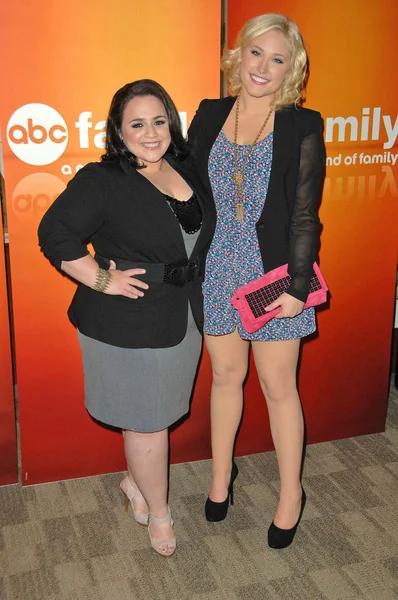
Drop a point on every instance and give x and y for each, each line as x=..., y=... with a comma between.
x=124, y=283
x=290, y=306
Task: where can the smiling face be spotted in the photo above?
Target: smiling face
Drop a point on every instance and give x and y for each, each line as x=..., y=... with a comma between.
x=265, y=64
x=145, y=130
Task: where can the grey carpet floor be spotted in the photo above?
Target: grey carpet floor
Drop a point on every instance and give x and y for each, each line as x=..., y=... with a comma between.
x=72, y=540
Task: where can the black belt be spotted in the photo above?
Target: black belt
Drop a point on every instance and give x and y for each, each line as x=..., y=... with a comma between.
x=174, y=274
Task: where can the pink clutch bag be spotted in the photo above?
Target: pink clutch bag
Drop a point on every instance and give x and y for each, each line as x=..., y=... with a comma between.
x=252, y=299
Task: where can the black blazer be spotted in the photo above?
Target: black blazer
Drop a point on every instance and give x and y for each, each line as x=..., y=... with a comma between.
x=124, y=216
x=288, y=228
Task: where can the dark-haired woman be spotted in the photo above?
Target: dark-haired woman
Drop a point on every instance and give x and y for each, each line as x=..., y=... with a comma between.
x=138, y=303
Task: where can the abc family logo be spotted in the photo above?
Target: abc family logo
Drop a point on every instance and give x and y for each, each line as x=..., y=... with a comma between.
x=38, y=135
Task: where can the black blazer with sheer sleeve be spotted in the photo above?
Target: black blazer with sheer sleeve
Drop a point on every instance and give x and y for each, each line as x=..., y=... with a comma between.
x=124, y=216
x=288, y=228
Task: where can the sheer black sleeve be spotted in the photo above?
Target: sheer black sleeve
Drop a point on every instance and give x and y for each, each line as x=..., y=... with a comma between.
x=304, y=224
x=74, y=216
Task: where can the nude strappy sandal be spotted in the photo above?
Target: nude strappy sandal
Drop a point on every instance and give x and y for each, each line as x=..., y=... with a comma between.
x=130, y=493
x=162, y=547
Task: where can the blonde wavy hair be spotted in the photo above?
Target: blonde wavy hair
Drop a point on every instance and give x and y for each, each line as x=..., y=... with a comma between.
x=291, y=91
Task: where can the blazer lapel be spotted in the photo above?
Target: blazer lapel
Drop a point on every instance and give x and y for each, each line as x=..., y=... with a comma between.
x=152, y=201
x=213, y=128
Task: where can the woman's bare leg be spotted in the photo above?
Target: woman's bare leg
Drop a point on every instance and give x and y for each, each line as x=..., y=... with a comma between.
x=140, y=504
x=229, y=359
x=276, y=364
x=147, y=460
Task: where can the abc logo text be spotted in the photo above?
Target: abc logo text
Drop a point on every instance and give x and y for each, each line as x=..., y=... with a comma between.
x=37, y=134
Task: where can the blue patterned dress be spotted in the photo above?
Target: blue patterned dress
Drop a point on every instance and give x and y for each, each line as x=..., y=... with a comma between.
x=234, y=257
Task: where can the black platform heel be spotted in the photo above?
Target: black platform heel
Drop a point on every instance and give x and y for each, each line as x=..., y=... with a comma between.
x=217, y=511
x=282, y=538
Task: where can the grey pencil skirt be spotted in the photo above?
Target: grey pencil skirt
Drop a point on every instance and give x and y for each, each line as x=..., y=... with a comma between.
x=140, y=389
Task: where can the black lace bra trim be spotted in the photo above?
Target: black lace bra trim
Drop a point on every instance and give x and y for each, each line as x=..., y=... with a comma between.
x=188, y=212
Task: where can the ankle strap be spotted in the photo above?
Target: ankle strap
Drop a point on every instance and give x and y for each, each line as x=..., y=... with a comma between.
x=161, y=520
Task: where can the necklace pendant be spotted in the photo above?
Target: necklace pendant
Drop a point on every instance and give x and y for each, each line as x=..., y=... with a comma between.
x=239, y=212
x=238, y=179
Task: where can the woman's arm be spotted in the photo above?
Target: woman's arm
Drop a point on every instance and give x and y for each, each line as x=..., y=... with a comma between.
x=71, y=220
x=74, y=217
x=304, y=222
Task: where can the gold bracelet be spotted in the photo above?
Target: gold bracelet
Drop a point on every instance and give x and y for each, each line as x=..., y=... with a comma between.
x=102, y=280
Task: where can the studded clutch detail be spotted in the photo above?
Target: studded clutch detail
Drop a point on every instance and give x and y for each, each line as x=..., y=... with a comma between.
x=252, y=299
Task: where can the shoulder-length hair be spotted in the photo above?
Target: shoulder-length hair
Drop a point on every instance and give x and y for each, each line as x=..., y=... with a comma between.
x=291, y=91
x=115, y=148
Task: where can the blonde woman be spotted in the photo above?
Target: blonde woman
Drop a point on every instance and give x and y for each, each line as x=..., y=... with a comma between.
x=261, y=156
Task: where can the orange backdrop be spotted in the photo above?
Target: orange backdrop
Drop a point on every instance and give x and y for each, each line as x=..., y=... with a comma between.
x=71, y=58
x=345, y=370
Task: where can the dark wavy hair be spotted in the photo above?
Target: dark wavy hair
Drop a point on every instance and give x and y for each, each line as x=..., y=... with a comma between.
x=115, y=147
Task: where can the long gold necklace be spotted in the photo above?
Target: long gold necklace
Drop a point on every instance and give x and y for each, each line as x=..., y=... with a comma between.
x=238, y=175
